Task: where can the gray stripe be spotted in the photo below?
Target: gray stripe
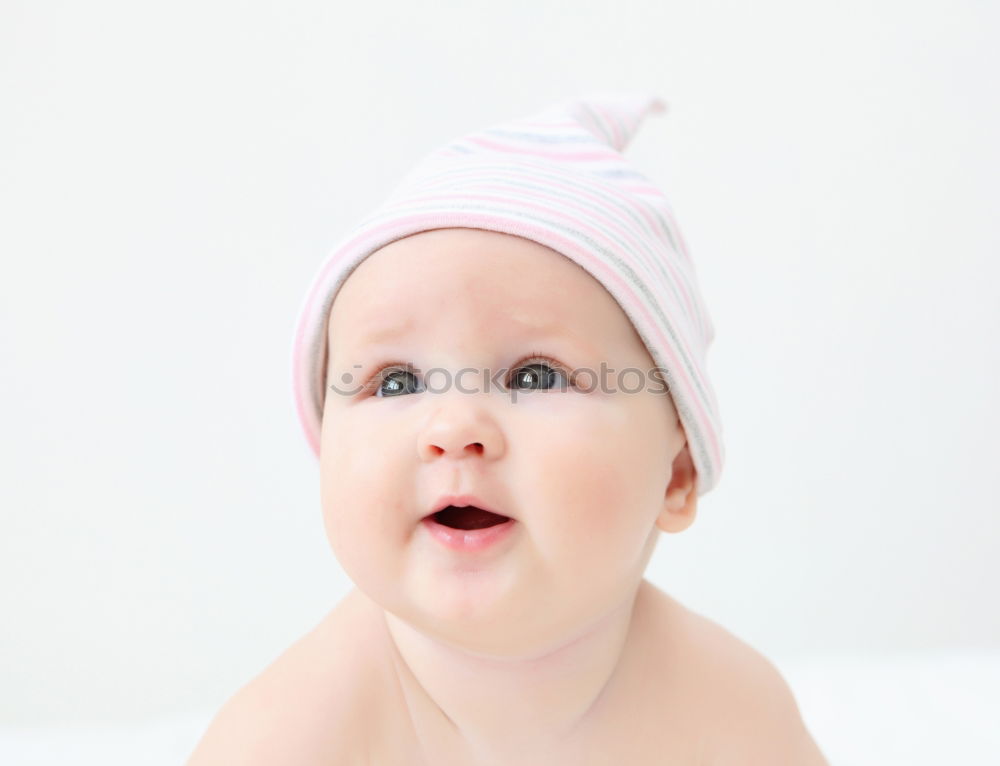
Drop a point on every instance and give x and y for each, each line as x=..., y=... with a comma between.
x=622, y=208
x=652, y=256
x=543, y=172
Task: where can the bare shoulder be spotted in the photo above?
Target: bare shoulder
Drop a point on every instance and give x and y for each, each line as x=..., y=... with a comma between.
x=312, y=705
x=747, y=710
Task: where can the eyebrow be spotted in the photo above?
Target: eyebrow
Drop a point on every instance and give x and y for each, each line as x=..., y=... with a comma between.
x=386, y=333
x=525, y=326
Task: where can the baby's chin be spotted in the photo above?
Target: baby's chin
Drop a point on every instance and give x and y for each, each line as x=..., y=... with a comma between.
x=494, y=614
x=465, y=594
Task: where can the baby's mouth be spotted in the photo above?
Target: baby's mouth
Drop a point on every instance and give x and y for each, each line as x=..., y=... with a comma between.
x=467, y=517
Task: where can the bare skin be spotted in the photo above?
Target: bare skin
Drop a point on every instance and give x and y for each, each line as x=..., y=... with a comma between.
x=549, y=648
x=338, y=696
x=620, y=724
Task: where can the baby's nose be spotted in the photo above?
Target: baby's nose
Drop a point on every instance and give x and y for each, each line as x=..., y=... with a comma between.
x=461, y=432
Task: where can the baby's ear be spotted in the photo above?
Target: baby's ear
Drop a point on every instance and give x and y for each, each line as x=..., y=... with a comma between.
x=681, y=500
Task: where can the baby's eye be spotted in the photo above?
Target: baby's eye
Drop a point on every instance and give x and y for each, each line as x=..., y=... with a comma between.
x=538, y=374
x=394, y=382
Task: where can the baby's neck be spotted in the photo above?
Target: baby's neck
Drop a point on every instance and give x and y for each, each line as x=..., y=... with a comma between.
x=502, y=709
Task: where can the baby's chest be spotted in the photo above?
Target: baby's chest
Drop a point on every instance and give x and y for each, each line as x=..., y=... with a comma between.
x=635, y=748
x=641, y=735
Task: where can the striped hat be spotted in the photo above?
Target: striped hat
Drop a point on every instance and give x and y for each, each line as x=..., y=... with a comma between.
x=558, y=178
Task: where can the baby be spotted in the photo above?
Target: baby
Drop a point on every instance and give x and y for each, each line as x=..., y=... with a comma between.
x=509, y=402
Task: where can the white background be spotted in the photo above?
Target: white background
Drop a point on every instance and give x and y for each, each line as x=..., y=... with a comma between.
x=172, y=175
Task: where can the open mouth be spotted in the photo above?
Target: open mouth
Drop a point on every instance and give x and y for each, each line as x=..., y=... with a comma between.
x=468, y=517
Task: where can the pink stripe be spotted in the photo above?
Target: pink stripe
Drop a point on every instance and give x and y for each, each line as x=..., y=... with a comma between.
x=655, y=225
x=306, y=414
x=679, y=280
x=652, y=222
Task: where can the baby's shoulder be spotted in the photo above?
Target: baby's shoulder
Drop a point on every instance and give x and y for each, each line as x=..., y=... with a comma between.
x=746, y=712
x=693, y=649
x=315, y=704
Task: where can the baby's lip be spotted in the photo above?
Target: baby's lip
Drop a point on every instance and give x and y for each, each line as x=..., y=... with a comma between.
x=464, y=500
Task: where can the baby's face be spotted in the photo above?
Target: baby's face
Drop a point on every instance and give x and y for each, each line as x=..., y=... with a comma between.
x=587, y=471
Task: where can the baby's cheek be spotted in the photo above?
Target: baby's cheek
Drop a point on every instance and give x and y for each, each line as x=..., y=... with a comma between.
x=342, y=501
x=364, y=502
x=351, y=520
x=592, y=490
